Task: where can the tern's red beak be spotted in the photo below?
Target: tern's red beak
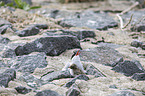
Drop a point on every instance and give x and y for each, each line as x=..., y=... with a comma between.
x=78, y=53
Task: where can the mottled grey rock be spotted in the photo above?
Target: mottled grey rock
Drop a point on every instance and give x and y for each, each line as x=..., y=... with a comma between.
x=141, y=3
x=56, y=75
x=7, y=76
x=8, y=53
x=28, y=63
x=103, y=55
x=128, y=68
x=137, y=15
x=31, y=81
x=100, y=21
x=4, y=24
x=136, y=44
x=111, y=45
x=47, y=93
x=4, y=40
x=71, y=82
x=10, y=1
x=143, y=46
x=4, y=28
x=52, y=46
x=23, y=90
x=41, y=26
x=9, y=50
x=29, y=31
x=122, y=93
x=91, y=70
x=73, y=91
x=113, y=86
x=138, y=76
x=2, y=64
x=80, y=34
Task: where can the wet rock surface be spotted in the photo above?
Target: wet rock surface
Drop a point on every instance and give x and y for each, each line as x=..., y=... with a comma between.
x=49, y=45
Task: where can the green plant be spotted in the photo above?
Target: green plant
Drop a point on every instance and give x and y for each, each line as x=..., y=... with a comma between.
x=19, y=4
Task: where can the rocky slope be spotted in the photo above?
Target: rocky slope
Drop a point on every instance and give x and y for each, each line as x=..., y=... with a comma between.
x=35, y=45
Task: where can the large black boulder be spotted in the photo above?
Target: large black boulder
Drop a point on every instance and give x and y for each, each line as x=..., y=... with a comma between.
x=52, y=45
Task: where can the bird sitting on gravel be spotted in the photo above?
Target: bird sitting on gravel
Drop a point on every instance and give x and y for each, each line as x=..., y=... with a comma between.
x=75, y=67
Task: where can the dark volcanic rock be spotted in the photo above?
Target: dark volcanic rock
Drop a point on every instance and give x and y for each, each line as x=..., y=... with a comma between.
x=47, y=93
x=52, y=46
x=136, y=44
x=7, y=76
x=71, y=82
x=137, y=15
x=103, y=55
x=138, y=76
x=29, y=31
x=10, y=1
x=100, y=21
x=122, y=93
x=56, y=75
x=91, y=70
x=73, y=91
x=128, y=68
x=28, y=63
x=4, y=40
x=22, y=90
